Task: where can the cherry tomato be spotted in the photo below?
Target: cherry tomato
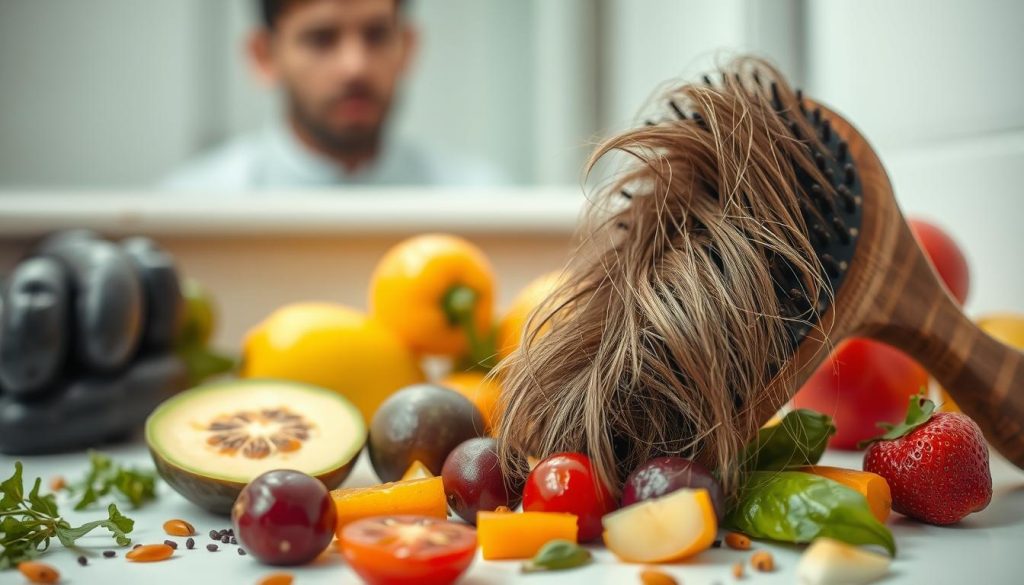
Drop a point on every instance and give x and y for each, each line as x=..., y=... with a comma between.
x=565, y=482
x=946, y=257
x=408, y=550
x=862, y=383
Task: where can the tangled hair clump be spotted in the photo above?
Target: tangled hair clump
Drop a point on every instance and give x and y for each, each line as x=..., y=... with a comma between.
x=668, y=328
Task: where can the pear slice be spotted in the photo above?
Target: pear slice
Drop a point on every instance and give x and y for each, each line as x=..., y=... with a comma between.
x=831, y=562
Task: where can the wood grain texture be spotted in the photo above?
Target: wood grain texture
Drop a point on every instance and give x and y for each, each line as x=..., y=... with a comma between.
x=893, y=294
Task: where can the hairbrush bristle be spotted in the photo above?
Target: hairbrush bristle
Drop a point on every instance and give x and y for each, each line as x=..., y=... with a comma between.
x=683, y=301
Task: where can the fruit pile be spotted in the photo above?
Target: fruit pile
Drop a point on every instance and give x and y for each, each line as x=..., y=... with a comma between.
x=322, y=382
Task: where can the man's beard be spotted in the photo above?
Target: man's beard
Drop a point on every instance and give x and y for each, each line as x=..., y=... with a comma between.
x=343, y=142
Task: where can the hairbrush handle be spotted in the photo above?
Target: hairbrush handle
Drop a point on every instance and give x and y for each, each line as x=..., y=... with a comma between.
x=984, y=376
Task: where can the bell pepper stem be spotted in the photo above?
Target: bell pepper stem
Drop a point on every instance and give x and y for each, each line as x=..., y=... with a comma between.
x=459, y=305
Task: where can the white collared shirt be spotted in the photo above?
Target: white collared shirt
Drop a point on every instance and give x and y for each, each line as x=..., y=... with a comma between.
x=275, y=159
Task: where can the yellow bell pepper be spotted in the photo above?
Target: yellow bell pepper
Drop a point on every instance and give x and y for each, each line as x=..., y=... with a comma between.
x=436, y=292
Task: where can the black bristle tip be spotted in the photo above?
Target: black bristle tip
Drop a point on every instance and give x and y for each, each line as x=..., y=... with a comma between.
x=816, y=116
x=707, y=80
x=675, y=108
x=849, y=175
x=831, y=266
x=842, y=151
x=795, y=129
x=647, y=122
x=848, y=199
x=776, y=100
x=840, y=228
x=826, y=131
x=819, y=161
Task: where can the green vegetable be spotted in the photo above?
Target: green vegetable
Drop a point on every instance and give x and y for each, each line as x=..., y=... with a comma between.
x=918, y=413
x=557, y=555
x=130, y=485
x=792, y=506
x=27, y=525
x=800, y=439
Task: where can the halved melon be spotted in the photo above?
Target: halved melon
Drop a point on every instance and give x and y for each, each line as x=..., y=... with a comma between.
x=675, y=526
x=212, y=440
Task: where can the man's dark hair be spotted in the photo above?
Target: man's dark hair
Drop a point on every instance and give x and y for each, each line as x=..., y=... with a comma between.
x=270, y=10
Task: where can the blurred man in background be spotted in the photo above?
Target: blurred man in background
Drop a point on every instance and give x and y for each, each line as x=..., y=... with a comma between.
x=338, y=64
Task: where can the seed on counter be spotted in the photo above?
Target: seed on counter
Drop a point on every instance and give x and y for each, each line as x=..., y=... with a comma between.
x=150, y=553
x=225, y=539
x=737, y=570
x=234, y=540
x=276, y=579
x=716, y=543
x=177, y=527
x=37, y=572
x=171, y=544
x=83, y=561
x=651, y=576
x=109, y=554
x=763, y=561
x=57, y=483
x=215, y=534
x=737, y=541
x=212, y=547
x=190, y=543
x=241, y=552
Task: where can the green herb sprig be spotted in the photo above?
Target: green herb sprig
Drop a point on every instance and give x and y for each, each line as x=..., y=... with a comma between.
x=29, y=522
x=105, y=477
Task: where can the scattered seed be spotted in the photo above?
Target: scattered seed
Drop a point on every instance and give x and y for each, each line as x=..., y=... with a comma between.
x=651, y=576
x=57, y=483
x=109, y=554
x=241, y=552
x=190, y=543
x=225, y=539
x=737, y=570
x=211, y=547
x=234, y=540
x=763, y=561
x=737, y=541
x=215, y=535
x=716, y=543
x=171, y=544
x=277, y=579
x=150, y=553
x=230, y=531
x=83, y=561
x=178, y=527
x=37, y=572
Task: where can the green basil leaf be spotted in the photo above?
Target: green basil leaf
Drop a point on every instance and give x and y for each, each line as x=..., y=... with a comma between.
x=43, y=504
x=13, y=489
x=799, y=440
x=792, y=506
x=557, y=555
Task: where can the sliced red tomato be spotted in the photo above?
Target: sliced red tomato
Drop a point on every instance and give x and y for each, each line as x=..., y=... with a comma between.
x=408, y=550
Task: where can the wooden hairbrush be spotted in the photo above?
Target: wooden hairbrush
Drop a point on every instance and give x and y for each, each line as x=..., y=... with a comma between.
x=886, y=289
x=666, y=338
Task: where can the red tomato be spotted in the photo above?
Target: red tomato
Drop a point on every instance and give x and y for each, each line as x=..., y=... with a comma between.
x=862, y=383
x=408, y=550
x=946, y=257
x=565, y=482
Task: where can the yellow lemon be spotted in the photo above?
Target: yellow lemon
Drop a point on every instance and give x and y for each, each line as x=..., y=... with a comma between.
x=334, y=347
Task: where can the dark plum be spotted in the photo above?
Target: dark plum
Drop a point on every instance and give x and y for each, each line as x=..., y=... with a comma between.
x=474, y=482
x=421, y=423
x=660, y=476
x=284, y=517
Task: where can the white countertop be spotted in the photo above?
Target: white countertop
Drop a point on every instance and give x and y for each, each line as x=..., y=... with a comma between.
x=986, y=548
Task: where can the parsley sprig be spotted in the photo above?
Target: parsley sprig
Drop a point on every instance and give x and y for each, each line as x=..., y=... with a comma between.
x=132, y=486
x=29, y=522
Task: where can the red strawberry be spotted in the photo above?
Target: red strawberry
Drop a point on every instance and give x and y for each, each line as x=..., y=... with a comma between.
x=936, y=464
